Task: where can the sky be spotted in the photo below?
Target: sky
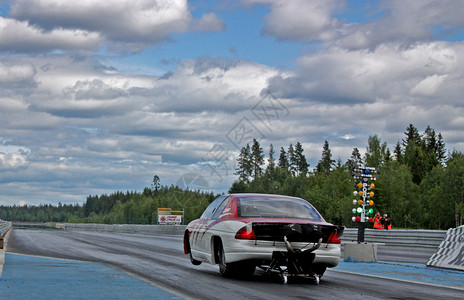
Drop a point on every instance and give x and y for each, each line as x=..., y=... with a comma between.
x=101, y=96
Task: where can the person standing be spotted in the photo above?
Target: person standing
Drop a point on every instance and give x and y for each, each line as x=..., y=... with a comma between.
x=377, y=224
x=386, y=222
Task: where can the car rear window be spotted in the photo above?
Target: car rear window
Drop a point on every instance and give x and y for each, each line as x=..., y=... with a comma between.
x=276, y=207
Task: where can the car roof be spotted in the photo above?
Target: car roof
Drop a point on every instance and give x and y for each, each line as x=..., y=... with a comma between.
x=262, y=195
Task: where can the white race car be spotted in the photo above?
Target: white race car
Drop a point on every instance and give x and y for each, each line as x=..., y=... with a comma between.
x=276, y=233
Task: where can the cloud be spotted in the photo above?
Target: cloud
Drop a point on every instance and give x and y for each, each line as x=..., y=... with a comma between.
x=126, y=23
x=95, y=89
x=362, y=76
x=16, y=74
x=401, y=22
x=428, y=86
x=20, y=37
x=208, y=84
x=209, y=22
x=12, y=161
x=405, y=22
x=301, y=19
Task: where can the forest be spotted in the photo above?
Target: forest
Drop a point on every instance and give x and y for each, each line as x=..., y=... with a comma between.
x=420, y=185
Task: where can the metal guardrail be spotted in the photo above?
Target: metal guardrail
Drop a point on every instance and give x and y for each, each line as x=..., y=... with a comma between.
x=427, y=240
x=4, y=227
x=125, y=228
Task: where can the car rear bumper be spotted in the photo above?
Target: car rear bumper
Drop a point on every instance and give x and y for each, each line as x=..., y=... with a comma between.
x=239, y=250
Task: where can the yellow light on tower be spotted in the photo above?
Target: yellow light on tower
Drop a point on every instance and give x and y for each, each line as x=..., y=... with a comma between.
x=372, y=194
x=372, y=185
x=371, y=203
x=360, y=185
x=361, y=193
x=360, y=202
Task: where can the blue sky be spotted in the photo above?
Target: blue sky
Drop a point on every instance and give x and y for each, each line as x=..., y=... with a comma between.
x=99, y=96
x=240, y=40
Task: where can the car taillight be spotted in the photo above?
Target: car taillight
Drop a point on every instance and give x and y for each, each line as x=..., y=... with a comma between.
x=245, y=233
x=334, y=238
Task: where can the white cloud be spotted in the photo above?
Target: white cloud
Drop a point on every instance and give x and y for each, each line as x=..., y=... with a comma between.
x=428, y=86
x=301, y=19
x=12, y=161
x=388, y=72
x=127, y=23
x=209, y=22
x=397, y=21
x=405, y=22
x=12, y=74
x=19, y=36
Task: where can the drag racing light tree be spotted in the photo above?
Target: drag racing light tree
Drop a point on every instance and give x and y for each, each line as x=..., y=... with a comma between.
x=364, y=211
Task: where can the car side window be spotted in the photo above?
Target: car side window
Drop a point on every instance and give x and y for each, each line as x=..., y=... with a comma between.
x=211, y=209
x=220, y=208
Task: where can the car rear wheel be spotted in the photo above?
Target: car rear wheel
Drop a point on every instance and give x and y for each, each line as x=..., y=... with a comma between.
x=319, y=269
x=235, y=269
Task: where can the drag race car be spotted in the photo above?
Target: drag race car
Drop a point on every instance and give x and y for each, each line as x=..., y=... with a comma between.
x=282, y=235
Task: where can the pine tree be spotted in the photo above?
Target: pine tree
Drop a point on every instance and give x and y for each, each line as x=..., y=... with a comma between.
x=355, y=161
x=245, y=166
x=283, y=159
x=291, y=159
x=430, y=139
x=398, y=153
x=429, y=147
x=376, y=152
x=301, y=163
x=414, y=154
x=412, y=135
x=388, y=156
x=257, y=159
x=326, y=163
x=271, y=159
x=440, y=149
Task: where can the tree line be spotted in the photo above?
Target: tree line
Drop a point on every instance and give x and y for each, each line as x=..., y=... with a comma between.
x=420, y=185
x=129, y=207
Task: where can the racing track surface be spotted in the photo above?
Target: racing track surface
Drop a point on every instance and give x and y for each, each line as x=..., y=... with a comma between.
x=160, y=260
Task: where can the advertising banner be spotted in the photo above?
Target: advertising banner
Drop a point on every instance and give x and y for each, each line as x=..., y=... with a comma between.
x=169, y=219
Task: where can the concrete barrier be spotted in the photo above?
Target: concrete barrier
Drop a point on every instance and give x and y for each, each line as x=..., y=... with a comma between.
x=425, y=240
x=4, y=234
x=450, y=253
x=362, y=252
x=4, y=228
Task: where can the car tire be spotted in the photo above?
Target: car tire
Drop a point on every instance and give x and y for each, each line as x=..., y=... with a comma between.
x=319, y=269
x=236, y=269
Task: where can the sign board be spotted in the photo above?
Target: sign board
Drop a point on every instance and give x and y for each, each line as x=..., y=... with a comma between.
x=164, y=211
x=169, y=219
x=167, y=216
